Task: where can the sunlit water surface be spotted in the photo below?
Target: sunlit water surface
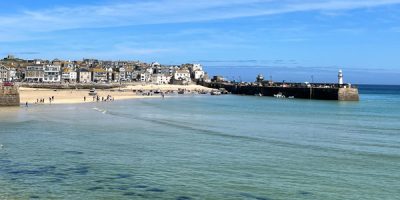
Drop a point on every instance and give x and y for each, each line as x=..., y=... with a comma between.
x=204, y=147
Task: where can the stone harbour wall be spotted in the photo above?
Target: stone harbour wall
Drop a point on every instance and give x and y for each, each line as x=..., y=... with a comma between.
x=348, y=94
x=9, y=96
x=340, y=94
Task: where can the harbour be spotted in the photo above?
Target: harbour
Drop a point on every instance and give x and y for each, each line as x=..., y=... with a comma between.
x=200, y=100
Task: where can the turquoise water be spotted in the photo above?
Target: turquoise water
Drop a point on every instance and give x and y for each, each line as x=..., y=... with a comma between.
x=204, y=147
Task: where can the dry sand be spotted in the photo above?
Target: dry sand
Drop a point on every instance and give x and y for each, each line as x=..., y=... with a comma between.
x=31, y=95
x=168, y=87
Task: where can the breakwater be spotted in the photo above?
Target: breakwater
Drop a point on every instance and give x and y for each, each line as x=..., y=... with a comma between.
x=295, y=90
x=9, y=95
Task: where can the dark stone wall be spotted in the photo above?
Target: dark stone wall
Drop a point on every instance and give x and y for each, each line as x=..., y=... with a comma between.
x=342, y=94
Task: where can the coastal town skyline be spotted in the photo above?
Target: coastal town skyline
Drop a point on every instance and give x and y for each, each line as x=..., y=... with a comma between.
x=87, y=71
x=288, y=40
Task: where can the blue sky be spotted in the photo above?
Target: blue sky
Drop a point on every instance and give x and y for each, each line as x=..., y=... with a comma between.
x=289, y=40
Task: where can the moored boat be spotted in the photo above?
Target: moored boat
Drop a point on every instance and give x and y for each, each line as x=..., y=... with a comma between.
x=215, y=92
x=279, y=95
x=93, y=92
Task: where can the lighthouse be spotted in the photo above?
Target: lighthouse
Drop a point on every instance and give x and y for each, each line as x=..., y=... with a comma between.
x=340, y=77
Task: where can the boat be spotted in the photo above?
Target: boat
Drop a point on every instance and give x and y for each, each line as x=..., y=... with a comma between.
x=223, y=91
x=215, y=92
x=92, y=92
x=279, y=95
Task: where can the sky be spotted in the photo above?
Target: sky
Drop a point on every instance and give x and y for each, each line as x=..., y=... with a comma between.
x=291, y=40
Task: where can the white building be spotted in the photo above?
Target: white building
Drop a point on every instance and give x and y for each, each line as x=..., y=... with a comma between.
x=149, y=70
x=198, y=74
x=182, y=74
x=145, y=77
x=197, y=67
x=160, y=79
x=12, y=74
x=52, y=73
x=4, y=73
x=196, y=71
x=122, y=74
x=69, y=76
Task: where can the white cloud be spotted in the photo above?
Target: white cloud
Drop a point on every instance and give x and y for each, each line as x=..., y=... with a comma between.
x=169, y=11
x=38, y=24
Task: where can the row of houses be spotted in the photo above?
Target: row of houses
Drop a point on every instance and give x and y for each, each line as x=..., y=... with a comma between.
x=90, y=70
x=7, y=73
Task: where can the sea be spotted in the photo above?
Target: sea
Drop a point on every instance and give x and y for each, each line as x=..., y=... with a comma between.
x=204, y=147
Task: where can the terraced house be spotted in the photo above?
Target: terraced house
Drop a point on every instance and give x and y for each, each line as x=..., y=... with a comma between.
x=84, y=75
x=34, y=74
x=52, y=73
x=69, y=75
x=4, y=73
x=99, y=75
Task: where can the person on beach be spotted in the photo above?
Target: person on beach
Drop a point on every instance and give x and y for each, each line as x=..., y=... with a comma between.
x=50, y=100
x=84, y=98
x=26, y=104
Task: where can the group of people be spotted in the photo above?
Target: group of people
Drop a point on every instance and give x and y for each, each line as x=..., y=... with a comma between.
x=40, y=101
x=51, y=99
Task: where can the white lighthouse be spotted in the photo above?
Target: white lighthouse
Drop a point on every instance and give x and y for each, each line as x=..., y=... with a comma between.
x=340, y=77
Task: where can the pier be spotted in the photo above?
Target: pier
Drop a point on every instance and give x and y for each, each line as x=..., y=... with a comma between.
x=321, y=91
x=292, y=90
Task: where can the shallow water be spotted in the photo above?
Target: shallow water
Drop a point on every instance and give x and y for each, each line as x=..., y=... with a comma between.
x=204, y=147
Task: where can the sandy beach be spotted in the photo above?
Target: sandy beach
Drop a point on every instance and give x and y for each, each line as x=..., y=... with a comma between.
x=31, y=95
x=168, y=87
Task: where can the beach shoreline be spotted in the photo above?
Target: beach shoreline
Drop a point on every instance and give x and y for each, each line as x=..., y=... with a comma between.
x=77, y=96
